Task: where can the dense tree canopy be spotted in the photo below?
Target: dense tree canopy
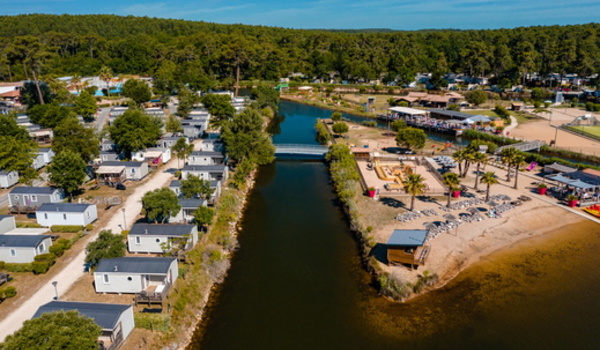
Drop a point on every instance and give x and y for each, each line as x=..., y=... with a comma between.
x=106, y=246
x=198, y=53
x=137, y=90
x=67, y=330
x=244, y=138
x=134, y=130
x=85, y=105
x=411, y=138
x=67, y=171
x=195, y=187
x=160, y=205
x=71, y=135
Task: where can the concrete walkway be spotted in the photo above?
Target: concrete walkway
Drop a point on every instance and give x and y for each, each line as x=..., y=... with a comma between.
x=74, y=270
x=513, y=124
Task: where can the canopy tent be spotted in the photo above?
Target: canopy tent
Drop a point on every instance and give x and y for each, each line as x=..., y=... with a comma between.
x=560, y=178
x=105, y=169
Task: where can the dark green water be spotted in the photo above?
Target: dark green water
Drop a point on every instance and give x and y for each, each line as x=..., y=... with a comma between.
x=297, y=283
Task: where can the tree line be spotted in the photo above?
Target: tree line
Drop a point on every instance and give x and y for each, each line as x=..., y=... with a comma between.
x=203, y=55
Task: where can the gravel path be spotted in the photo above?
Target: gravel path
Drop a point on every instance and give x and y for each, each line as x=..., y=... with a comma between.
x=74, y=270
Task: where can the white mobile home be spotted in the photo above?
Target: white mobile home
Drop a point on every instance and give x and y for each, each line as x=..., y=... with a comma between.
x=33, y=197
x=206, y=172
x=134, y=171
x=8, y=178
x=135, y=274
x=212, y=145
x=205, y=158
x=75, y=214
x=7, y=223
x=188, y=207
x=23, y=248
x=116, y=320
x=158, y=238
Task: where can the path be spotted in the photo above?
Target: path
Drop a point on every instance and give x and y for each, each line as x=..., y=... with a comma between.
x=513, y=124
x=74, y=270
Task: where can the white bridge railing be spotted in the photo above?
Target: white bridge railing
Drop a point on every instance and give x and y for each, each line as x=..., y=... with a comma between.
x=301, y=149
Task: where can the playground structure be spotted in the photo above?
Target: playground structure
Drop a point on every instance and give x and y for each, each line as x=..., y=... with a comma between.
x=436, y=150
x=396, y=174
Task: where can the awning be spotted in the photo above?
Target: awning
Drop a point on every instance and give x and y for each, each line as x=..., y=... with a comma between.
x=106, y=169
x=560, y=178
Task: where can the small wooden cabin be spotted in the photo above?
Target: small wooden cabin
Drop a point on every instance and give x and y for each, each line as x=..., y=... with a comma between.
x=407, y=247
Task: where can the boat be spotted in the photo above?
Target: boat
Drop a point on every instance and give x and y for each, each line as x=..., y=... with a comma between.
x=593, y=209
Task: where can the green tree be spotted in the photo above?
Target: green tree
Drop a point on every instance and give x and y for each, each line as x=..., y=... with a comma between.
x=133, y=131
x=340, y=128
x=50, y=115
x=67, y=330
x=414, y=185
x=204, y=216
x=336, y=116
x=165, y=80
x=479, y=159
x=182, y=149
x=476, y=97
x=106, y=74
x=398, y=125
x=501, y=112
x=186, y=101
x=106, y=246
x=244, y=138
x=67, y=171
x=195, y=187
x=265, y=96
x=160, y=205
x=452, y=181
x=220, y=108
x=30, y=93
x=70, y=135
x=509, y=156
x=85, y=105
x=488, y=178
x=173, y=125
x=411, y=138
x=137, y=90
x=16, y=148
x=323, y=136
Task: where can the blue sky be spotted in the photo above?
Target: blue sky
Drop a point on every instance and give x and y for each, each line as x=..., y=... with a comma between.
x=335, y=14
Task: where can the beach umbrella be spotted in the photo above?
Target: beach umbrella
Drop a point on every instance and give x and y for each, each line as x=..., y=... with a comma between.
x=449, y=217
x=431, y=226
x=473, y=210
x=492, y=203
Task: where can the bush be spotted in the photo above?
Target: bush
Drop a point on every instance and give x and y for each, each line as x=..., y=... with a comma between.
x=66, y=228
x=7, y=292
x=89, y=227
x=13, y=267
x=153, y=322
x=28, y=225
x=40, y=267
x=48, y=257
x=58, y=249
x=370, y=123
x=2, y=265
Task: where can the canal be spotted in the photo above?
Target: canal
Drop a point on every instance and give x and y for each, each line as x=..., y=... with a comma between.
x=296, y=282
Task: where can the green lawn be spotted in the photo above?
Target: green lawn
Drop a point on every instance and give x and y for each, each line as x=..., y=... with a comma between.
x=486, y=112
x=593, y=130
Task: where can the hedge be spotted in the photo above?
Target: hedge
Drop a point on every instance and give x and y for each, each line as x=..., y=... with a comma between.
x=13, y=267
x=66, y=228
x=153, y=322
x=7, y=292
x=28, y=225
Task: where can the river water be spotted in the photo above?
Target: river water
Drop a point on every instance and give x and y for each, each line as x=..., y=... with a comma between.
x=297, y=283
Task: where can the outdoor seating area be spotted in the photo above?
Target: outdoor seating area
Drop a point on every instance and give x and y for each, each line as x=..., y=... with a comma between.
x=445, y=162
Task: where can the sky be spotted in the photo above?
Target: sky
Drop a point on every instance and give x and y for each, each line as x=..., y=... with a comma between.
x=335, y=14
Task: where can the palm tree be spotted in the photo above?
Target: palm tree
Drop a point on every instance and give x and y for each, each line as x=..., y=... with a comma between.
x=414, y=185
x=479, y=159
x=488, y=178
x=76, y=81
x=518, y=160
x=460, y=156
x=507, y=157
x=451, y=180
x=106, y=74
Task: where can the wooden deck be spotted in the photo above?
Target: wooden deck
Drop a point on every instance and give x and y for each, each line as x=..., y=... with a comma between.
x=151, y=296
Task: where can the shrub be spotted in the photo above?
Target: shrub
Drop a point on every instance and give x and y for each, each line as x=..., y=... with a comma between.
x=40, y=267
x=153, y=322
x=8, y=292
x=66, y=228
x=48, y=257
x=58, y=249
x=2, y=265
x=13, y=267
x=89, y=227
x=28, y=225
x=370, y=123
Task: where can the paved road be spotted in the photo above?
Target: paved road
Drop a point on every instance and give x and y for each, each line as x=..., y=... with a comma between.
x=74, y=270
x=102, y=118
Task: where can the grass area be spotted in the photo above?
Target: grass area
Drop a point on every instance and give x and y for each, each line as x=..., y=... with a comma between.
x=592, y=130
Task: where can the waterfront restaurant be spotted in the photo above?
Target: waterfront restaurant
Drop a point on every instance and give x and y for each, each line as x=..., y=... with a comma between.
x=408, y=247
x=406, y=113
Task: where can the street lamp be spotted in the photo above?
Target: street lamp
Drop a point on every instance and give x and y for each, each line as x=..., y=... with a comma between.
x=55, y=284
x=124, y=219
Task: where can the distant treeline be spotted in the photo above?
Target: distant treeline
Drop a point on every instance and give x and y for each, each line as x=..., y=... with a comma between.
x=208, y=52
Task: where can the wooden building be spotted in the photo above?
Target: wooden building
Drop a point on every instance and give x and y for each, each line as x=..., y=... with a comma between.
x=407, y=247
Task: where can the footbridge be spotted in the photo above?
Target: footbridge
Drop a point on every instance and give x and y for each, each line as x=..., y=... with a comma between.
x=295, y=149
x=523, y=146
